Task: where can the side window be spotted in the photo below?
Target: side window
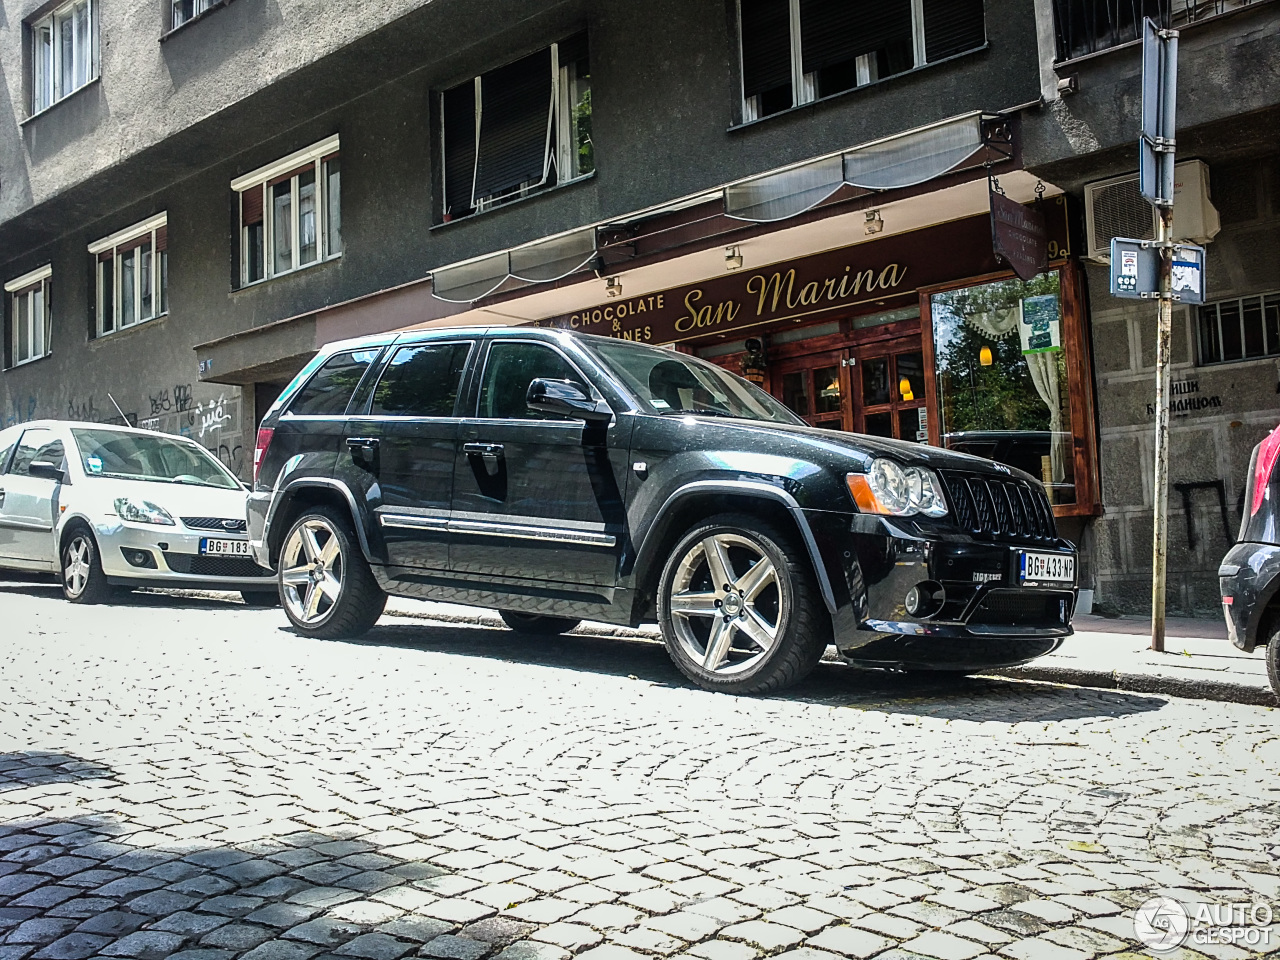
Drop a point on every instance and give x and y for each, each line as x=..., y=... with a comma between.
x=422, y=381
x=330, y=388
x=7, y=443
x=36, y=445
x=508, y=373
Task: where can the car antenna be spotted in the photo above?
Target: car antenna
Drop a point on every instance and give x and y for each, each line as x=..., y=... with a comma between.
x=118, y=410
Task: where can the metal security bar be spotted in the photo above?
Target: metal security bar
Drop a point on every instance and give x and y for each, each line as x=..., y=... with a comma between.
x=1243, y=329
x=1083, y=27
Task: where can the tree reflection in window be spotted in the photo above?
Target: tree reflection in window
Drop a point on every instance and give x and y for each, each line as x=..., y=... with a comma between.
x=1003, y=380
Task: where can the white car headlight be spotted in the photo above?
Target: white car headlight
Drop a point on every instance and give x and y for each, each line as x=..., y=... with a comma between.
x=897, y=491
x=142, y=511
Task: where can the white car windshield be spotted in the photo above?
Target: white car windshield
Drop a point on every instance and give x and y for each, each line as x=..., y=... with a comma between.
x=140, y=456
x=674, y=383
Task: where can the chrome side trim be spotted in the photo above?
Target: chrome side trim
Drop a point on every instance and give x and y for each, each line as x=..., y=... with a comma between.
x=518, y=531
x=402, y=521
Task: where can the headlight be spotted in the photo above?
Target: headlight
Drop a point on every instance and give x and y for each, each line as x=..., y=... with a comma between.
x=142, y=511
x=897, y=491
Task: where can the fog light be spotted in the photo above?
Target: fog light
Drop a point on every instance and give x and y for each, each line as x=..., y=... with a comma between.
x=925, y=599
x=139, y=558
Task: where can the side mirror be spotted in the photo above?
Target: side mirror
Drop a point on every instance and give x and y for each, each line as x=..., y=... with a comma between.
x=566, y=398
x=46, y=470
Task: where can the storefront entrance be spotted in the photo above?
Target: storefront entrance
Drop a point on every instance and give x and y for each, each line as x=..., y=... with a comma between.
x=875, y=387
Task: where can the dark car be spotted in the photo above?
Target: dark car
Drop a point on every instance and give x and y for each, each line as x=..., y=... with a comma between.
x=1250, y=572
x=559, y=477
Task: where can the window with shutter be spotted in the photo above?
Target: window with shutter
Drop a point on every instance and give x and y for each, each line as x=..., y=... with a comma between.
x=132, y=272
x=516, y=129
x=951, y=27
x=766, y=54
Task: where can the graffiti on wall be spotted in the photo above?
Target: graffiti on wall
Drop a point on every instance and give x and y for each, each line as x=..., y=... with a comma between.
x=21, y=413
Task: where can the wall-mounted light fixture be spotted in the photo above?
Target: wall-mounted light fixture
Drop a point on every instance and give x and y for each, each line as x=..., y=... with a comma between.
x=904, y=389
x=733, y=257
x=984, y=356
x=875, y=223
x=613, y=286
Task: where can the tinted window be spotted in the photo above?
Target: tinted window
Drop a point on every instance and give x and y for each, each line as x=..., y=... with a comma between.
x=36, y=445
x=330, y=388
x=421, y=381
x=510, y=370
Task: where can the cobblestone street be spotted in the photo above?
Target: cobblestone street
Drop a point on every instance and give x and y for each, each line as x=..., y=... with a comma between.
x=184, y=777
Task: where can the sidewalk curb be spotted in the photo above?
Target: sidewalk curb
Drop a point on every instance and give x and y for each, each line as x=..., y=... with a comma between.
x=1191, y=689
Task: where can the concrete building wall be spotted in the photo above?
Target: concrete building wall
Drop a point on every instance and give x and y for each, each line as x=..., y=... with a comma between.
x=1220, y=411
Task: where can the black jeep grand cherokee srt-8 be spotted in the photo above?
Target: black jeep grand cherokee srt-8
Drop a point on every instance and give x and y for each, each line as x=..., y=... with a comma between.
x=558, y=477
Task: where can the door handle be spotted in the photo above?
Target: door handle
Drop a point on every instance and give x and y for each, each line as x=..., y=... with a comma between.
x=1, y=496
x=364, y=451
x=486, y=450
x=362, y=443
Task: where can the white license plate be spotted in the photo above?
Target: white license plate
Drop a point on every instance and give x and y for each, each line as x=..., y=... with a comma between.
x=1047, y=568
x=224, y=548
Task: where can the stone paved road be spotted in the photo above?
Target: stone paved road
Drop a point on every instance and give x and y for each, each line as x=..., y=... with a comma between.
x=187, y=778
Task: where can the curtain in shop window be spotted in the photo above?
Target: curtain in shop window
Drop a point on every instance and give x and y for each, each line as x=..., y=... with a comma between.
x=1043, y=368
x=516, y=111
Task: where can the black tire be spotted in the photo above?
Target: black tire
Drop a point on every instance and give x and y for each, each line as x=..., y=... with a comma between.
x=260, y=598
x=359, y=601
x=537, y=625
x=801, y=623
x=81, y=549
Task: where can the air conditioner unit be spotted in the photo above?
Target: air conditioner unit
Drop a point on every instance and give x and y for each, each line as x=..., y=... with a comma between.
x=1114, y=208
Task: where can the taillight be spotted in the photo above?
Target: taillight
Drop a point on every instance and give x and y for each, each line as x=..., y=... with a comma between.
x=264, y=440
x=1268, y=453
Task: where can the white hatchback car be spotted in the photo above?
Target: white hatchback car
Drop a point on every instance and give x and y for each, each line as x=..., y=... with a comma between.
x=107, y=506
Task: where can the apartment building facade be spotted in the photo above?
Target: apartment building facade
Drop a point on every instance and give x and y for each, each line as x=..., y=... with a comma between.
x=194, y=198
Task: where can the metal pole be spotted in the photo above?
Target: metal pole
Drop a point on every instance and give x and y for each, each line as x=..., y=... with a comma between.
x=1160, y=485
x=1168, y=98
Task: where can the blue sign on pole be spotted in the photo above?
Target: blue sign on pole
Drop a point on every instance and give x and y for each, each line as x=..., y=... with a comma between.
x=1159, y=107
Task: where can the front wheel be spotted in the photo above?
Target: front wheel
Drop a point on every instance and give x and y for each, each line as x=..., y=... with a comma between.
x=328, y=590
x=260, y=598
x=82, y=578
x=739, y=609
x=536, y=625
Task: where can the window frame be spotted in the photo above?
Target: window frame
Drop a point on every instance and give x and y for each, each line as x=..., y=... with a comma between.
x=47, y=77
x=1263, y=300
x=474, y=405
x=804, y=86
x=318, y=158
x=26, y=287
x=118, y=244
x=561, y=151
x=385, y=365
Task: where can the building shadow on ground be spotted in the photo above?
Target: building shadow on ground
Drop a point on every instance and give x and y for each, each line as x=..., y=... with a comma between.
x=30, y=768
x=945, y=696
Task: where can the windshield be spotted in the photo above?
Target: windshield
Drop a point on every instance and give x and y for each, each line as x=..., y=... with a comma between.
x=666, y=383
x=140, y=456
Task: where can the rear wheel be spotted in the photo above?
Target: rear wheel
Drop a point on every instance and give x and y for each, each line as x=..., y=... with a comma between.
x=1273, y=657
x=82, y=578
x=739, y=608
x=328, y=590
x=536, y=625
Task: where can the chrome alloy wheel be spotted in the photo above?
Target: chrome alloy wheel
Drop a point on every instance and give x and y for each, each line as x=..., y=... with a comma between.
x=312, y=572
x=77, y=565
x=727, y=606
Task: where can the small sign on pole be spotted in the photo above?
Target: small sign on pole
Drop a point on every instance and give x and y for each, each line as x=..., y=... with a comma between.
x=1135, y=271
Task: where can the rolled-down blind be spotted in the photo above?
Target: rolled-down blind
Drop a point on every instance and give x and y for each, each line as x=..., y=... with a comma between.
x=162, y=238
x=836, y=31
x=766, y=45
x=251, y=206
x=515, y=125
x=951, y=27
x=459, y=105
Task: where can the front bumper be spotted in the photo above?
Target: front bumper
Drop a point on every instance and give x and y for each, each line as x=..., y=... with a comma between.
x=173, y=558
x=988, y=619
x=258, y=509
x=1247, y=580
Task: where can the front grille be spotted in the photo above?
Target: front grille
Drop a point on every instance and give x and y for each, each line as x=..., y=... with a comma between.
x=998, y=508
x=229, y=567
x=1020, y=608
x=226, y=525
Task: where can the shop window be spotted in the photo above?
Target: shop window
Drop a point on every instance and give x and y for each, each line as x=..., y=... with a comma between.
x=796, y=51
x=1003, y=379
x=64, y=53
x=30, y=316
x=516, y=130
x=1241, y=329
x=132, y=275
x=290, y=213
